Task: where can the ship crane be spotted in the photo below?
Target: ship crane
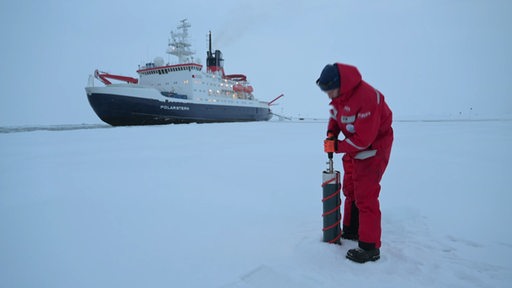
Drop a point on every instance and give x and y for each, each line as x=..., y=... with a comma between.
x=104, y=76
x=275, y=99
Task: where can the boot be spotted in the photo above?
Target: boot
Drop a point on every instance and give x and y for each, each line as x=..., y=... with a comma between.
x=362, y=256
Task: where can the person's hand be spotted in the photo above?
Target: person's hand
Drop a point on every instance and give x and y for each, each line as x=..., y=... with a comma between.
x=330, y=144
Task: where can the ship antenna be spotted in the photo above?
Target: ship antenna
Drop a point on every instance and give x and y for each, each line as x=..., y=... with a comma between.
x=180, y=45
x=210, y=41
x=210, y=58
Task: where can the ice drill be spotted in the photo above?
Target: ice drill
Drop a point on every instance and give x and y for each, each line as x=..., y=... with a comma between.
x=331, y=203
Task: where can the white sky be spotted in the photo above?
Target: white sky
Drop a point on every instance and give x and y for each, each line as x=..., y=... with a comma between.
x=427, y=57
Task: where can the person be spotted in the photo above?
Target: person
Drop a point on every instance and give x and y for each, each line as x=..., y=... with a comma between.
x=360, y=113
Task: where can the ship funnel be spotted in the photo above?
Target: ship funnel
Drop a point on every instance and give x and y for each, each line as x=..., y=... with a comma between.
x=214, y=61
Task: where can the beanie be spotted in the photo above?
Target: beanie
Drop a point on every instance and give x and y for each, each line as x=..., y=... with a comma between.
x=329, y=78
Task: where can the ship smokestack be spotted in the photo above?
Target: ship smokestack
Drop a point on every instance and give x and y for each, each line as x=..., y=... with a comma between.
x=214, y=61
x=210, y=42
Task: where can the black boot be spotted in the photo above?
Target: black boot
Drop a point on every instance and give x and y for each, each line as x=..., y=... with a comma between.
x=362, y=256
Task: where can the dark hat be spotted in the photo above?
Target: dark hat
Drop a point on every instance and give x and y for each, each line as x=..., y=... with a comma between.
x=330, y=78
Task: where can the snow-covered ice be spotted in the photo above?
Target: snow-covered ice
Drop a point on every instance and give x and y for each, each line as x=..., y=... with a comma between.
x=239, y=205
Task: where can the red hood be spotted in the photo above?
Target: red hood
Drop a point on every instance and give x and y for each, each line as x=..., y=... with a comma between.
x=349, y=78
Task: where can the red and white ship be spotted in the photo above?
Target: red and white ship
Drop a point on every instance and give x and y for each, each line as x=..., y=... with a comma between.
x=179, y=93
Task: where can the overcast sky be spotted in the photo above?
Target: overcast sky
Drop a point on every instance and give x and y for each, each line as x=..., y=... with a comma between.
x=428, y=57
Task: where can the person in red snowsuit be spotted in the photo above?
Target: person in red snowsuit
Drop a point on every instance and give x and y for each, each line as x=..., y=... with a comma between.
x=360, y=113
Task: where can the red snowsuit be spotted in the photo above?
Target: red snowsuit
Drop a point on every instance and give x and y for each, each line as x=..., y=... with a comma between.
x=364, y=118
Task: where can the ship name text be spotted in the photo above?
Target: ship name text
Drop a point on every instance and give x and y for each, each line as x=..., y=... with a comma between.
x=166, y=107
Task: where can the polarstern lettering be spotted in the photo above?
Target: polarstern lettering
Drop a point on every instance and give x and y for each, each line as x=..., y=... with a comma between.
x=165, y=107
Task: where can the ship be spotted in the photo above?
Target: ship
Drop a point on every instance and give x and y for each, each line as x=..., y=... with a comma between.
x=166, y=93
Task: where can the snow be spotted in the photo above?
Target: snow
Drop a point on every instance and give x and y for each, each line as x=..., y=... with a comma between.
x=239, y=205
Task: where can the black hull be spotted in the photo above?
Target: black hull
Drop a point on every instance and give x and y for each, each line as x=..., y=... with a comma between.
x=125, y=111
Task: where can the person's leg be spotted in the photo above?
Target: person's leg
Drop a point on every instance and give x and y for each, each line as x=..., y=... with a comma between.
x=350, y=213
x=367, y=175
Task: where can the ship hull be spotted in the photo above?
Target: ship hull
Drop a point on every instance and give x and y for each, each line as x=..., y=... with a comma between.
x=126, y=110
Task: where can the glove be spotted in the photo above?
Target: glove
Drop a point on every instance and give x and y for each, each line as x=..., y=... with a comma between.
x=330, y=144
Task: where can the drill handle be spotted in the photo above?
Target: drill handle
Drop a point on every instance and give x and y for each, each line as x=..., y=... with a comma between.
x=330, y=169
x=330, y=136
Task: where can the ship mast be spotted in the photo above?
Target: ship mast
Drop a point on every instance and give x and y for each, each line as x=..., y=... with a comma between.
x=179, y=44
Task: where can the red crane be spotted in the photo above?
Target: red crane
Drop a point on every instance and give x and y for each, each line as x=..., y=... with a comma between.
x=104, y=76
